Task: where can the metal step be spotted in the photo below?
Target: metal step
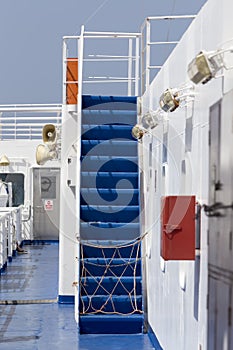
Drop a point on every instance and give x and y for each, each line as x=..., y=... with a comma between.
x=105, y=286
x=99, y=117
x=109, y=163
x=117, y=303
x=104, y=196
x=113, y=147
x=107, y=132
x=109, y=213
x=125, y=249
x=116, y=267
x=122, y=180
x=111, y=324
x=113, y=231
x=109, y=102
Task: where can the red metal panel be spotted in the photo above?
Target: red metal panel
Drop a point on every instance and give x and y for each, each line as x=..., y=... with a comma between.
x=178, y=228
x=72, y=81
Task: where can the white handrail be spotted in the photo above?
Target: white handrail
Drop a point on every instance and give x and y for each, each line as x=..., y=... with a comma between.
x=30, y=109
x=171, y=17
x=78, y=166
x=112, y=34
x=132, y=59
x=3, y=119
x=32, y=105
x=146, y=44
x=137, y=62
x=27, y=118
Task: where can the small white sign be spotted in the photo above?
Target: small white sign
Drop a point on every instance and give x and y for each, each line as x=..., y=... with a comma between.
x=48, y=204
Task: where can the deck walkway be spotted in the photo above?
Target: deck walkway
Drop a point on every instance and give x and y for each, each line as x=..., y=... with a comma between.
x=34, y=276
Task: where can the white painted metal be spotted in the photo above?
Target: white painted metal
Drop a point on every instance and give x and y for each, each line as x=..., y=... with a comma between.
x=116, y=34
x=69, y=205
x=31, y=109
x=27, y=120
x=161, y=18
x=30, y=119
x=4, y=219
x=10, y=232
x=148, y=32
x=130, y=63
x=162, y=42
x=146, y=46
x=64, y=60
x=96, y=80
x=177, y=291
x=28, y=105
x=78, y=170
x=132, y=78
x=137, y=54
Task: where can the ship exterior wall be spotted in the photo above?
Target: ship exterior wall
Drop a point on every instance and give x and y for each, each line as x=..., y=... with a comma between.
x=22, y=156
x=178, y=290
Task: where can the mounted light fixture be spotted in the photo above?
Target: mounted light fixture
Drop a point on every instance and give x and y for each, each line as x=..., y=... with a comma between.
x=206, y=65
x=169, y=100
x=4, y=161
x=138, y=132
x=172, y=98
x=151, y=119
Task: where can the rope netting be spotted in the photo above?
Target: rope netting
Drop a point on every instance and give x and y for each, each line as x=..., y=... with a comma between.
x=110, y=283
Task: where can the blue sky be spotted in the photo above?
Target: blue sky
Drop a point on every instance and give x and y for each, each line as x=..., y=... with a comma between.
x=31, y=38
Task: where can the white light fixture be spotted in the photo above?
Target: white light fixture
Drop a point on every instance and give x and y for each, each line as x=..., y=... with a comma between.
x=151, y=119
x=138, y=132
x=172, y=98
x=207, y=64
x=4, y=161
x=169, y=100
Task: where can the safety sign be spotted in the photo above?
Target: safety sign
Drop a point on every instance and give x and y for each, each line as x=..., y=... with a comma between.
x=48, y=204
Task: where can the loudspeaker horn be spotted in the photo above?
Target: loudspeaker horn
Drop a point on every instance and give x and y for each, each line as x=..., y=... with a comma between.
x=43, y=154
x=49, y=133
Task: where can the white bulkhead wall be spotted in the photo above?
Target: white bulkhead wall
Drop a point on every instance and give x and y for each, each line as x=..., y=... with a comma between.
x=22, y=157
x=68, y=248
x=177, y=290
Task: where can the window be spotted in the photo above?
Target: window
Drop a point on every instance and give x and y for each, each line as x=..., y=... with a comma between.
x=17, y=181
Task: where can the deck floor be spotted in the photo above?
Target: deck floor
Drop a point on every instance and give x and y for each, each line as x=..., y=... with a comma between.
x=34, y=276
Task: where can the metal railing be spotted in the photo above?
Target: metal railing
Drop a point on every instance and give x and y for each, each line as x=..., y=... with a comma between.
x=131, y=58
x=25, y=121
x=10, y=233
x=147, y=43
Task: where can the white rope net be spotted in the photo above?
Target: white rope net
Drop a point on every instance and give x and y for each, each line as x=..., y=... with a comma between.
x=111, y=282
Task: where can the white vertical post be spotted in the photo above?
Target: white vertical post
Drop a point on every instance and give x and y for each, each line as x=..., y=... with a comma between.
x=80, y=68
x=7, y=232
x=130, y=60
x=18, y=226
x=64, y=62
x=147, y=53
x=10, y=237
x=15, y=126
x=78, y=168
x=1, y=126
x=142, y=63
x=137, y=59
x=4, y=239
x=1, y=245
